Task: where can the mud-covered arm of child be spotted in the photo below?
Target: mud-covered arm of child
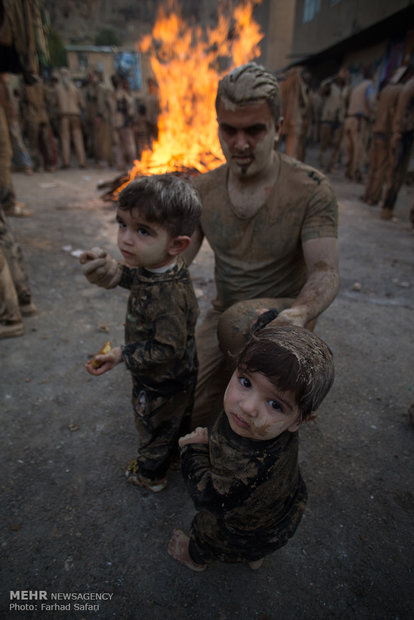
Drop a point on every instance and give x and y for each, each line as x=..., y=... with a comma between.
x=166, y=341
x=106, y=362
x=199, y=435
x=209, y=489
x=101, y=269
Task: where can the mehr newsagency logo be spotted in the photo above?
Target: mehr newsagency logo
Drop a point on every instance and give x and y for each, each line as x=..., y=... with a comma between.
x=42, y=600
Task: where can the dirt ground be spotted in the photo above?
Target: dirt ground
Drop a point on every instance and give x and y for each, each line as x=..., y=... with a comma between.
x=72, y=527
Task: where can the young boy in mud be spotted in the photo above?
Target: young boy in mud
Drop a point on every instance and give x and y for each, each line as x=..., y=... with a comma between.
x=244, y=479
x=156, y=217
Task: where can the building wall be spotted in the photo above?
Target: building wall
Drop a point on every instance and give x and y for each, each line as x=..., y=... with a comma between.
x=320, y=24
x=79, y=21
x=279, y=35
x=373, y=56
x=80, y=62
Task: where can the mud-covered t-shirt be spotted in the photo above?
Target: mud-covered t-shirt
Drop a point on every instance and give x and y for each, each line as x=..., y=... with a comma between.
x=261, y=256
x=249, y=485
x=161, y=315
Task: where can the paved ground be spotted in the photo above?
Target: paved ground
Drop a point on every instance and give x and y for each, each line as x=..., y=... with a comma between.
x=71, y=525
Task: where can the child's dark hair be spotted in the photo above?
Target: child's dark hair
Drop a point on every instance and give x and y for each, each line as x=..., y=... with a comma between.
x=166, y=200
x=293, y=359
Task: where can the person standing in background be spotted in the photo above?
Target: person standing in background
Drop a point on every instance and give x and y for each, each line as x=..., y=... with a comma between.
x=295, y=111
x=21, y=161
x=70, y=105
x=15, y=292
x=380, y=151
x=361, y=109
x=37, y=127
x=123, y=113
x=103, y=128
x=401, y=144
x=335, y=95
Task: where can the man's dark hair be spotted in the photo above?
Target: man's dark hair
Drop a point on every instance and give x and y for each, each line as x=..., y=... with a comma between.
x=166, y=200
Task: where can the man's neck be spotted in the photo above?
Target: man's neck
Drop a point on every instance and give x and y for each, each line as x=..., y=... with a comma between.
x=249, y=194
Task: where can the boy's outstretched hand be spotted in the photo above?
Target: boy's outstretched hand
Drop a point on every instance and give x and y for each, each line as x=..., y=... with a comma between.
x=200, y=435
x=100, y=269
x=106, y=362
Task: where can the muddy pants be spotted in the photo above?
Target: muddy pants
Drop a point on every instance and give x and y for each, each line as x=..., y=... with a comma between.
x=70, y=128
x=9, y=303
x=40, y=145
x=331, y=136
x=13, y=255
x=13, y=278
x=103, y=141
x=7, y=195
x=124, y=147
x=21, y=158
x=379, y=157
x=400, y=159
x=356, y=139
x=291, y=140
x=160, y=422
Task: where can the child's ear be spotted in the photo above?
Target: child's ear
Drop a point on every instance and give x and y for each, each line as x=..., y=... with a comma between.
x=296, y=425
x=179, y=245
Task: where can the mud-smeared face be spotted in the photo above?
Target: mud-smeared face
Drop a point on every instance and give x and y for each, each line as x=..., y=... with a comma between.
x=247, y=136
x=256, y=409
x=142, y=243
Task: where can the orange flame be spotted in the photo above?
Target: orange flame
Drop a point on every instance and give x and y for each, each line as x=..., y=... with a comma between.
x=186, y=62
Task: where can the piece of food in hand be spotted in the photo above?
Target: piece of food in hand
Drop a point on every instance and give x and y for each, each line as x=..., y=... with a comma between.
x=105, y=349
x=90, y=255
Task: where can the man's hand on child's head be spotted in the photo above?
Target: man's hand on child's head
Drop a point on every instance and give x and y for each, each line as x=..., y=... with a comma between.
x=293, y=316
x=106, y=362
x=100, y=269
x=199, y=435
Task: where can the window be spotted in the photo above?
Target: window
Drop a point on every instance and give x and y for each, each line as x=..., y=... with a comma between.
x=310, y=8
x=82, y=60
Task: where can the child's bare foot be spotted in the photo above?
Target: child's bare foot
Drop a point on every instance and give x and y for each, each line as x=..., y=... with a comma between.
x=256, y=564
x=178, y=549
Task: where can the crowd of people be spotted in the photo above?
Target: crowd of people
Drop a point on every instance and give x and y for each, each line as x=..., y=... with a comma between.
x=104, y=123
x=40, y=121
x=369, y=133
x=369, y=130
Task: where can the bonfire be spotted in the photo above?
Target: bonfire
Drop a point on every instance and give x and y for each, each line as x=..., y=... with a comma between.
x=188, y=62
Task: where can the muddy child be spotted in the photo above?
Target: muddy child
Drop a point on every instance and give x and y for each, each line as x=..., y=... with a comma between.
x=156, y=217
x=244, y=478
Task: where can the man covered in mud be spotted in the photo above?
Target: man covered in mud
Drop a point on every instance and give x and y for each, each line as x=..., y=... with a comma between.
x=271, y=222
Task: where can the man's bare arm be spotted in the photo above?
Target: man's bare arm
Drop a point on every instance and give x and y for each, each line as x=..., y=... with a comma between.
x=194, y=247
x=321, y=287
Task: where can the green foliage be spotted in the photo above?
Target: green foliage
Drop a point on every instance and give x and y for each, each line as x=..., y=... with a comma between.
x=56, y=49
x=107, y=36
